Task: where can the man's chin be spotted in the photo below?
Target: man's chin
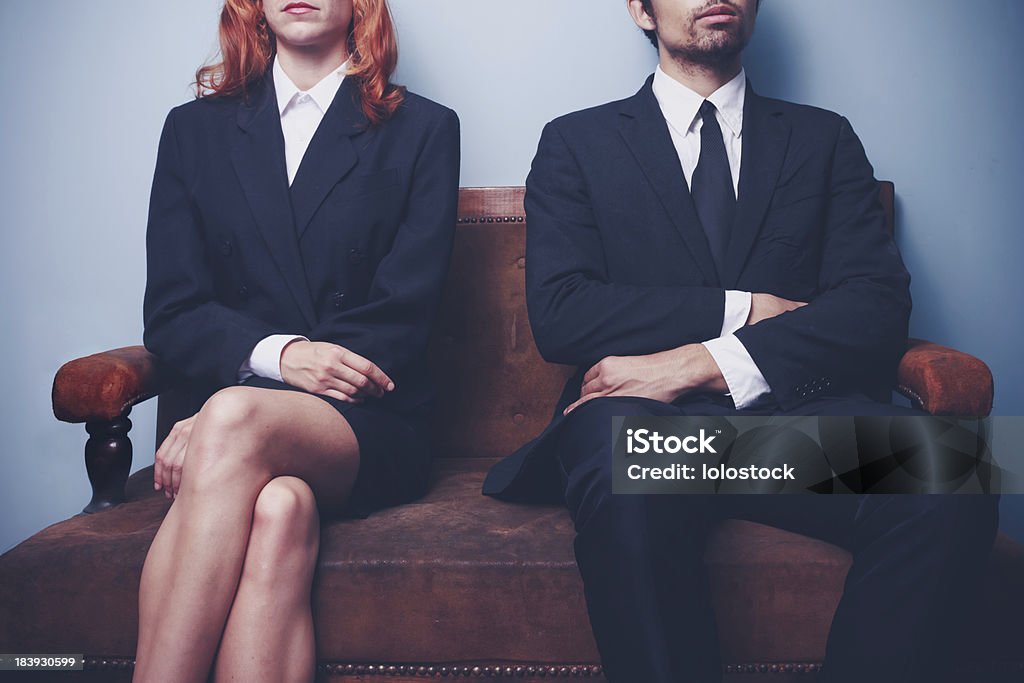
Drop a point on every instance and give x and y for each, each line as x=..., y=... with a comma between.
x=726, y=40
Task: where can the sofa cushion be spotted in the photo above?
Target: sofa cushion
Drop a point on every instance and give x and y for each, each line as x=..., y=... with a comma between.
x=454, y=577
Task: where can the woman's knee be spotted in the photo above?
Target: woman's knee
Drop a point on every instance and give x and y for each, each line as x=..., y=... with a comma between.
x=221, y=427
x=285, y=517
x=228, y=409
x=285, y=537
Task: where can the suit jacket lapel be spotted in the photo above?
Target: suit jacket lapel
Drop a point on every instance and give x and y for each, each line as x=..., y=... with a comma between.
x=765, y=140
x=257, y=152
x=330, y=155
x=646, y=132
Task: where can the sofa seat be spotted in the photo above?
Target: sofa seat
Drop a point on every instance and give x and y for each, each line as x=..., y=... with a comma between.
x=459, y=578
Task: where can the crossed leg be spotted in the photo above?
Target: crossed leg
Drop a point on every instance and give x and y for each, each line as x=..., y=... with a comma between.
x=244, y=519
x=269, y=632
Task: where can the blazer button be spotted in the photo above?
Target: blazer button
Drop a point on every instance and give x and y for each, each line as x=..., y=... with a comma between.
x=355, y=256
x=243, y=291
x=337, y=298
x=225, y=248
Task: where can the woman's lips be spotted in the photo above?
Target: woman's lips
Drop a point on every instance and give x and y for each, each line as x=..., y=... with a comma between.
x=299, y=8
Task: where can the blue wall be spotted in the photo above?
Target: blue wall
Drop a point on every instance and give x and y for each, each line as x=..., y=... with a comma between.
x=85, y=86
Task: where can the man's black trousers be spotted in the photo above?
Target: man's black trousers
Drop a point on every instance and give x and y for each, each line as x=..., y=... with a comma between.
x=917, y=560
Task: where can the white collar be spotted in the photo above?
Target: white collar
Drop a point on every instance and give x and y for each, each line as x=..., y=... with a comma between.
x=322, y=93
x=681, y=105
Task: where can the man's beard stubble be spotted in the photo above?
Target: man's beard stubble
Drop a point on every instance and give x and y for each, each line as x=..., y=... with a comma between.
x=711, y=47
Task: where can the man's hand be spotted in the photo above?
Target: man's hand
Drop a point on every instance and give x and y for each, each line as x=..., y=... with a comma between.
x=170, y=458
x=332, y=370
x=764, y=306
x=663, y=376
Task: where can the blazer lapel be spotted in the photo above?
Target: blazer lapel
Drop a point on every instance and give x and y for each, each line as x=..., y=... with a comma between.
x=257, y=152
x=765, y=140
x=330, y=155
x=646, y=132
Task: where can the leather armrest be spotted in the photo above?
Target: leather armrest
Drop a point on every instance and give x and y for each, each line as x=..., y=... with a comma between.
x=106, y=385
x=944, y=381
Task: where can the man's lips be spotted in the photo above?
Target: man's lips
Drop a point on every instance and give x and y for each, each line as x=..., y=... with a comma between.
x=719, y=13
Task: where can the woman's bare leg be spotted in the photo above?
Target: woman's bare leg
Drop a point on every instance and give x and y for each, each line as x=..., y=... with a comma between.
x=269, y=633
x=243, y=438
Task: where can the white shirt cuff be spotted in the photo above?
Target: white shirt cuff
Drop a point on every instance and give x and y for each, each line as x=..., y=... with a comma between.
x=265, y=359
x=745, y=381
x=737, y=310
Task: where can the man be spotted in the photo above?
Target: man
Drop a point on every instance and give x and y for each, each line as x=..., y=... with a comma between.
x=698, y=249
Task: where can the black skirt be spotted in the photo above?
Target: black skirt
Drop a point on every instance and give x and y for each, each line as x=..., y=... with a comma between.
x=394, y=453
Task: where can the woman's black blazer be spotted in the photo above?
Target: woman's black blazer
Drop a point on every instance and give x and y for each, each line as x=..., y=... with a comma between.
x=354, y=252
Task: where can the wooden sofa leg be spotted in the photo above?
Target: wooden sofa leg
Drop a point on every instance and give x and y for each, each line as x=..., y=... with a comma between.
x=108, y=460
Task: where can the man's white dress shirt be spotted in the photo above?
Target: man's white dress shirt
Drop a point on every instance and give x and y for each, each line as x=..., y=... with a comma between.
x=681, y=108
x=301, y=114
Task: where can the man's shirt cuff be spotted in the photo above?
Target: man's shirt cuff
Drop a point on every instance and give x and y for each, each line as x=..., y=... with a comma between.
x=742, y=376
x=737, y=310
x=265, y=359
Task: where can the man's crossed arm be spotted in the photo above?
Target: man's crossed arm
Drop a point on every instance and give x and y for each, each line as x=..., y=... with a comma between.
x=667, y=375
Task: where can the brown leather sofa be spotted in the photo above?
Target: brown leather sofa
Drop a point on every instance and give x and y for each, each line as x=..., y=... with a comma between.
x=457, y=585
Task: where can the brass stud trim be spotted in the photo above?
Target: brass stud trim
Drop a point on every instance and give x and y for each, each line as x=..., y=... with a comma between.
x=912, y=395
x=578, y=671
x=490, y=219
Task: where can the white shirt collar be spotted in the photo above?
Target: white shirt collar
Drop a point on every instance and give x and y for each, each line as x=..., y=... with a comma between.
x=322, y=93
x=682, y=105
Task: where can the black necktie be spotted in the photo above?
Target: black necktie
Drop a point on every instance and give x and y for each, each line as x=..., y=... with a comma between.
x=711, y=186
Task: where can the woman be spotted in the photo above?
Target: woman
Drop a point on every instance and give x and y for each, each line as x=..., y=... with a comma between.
x=300, y=227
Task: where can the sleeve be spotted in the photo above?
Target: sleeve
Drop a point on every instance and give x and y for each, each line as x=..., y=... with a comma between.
x=858, y=323
x=265, y=360
x=184, y=325
x=393, y=327
x=578, y=315
x=742, y=376
x=737, y=310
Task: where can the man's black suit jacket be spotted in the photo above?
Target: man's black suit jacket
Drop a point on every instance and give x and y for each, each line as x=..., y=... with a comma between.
x=618, y=265
x=354, y=252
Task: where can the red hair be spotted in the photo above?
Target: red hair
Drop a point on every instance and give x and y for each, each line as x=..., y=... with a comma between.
x=247, y=45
